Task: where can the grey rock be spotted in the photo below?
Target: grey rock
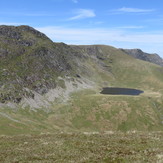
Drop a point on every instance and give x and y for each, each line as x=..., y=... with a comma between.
x=139, y=54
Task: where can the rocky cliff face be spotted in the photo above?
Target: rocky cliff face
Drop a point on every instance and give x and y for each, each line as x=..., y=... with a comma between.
x=139, y=54
x=30, y=61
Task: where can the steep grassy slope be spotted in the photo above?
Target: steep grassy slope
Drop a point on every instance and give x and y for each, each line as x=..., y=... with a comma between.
x=33, y=68
x=113, y=67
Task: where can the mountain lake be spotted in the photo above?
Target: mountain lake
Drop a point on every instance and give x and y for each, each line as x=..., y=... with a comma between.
x=121, y=91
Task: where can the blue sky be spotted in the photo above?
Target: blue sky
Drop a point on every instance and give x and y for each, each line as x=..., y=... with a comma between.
x=120, y=23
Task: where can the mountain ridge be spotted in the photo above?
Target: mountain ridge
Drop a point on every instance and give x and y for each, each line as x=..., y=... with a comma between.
x=26, y=49
x=139, y=54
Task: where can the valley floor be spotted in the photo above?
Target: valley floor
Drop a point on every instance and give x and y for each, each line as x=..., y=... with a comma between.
x=83, y=147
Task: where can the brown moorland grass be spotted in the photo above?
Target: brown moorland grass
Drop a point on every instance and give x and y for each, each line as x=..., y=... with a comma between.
x=83, y=147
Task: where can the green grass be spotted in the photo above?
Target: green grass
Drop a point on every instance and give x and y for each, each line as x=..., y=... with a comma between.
x=23, y=121
x=91, y=111
x=87, y=110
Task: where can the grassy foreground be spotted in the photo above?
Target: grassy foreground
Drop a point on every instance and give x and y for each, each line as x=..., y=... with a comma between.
x=83, y=147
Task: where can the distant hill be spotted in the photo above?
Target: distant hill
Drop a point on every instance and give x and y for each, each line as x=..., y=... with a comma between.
x=139, y=54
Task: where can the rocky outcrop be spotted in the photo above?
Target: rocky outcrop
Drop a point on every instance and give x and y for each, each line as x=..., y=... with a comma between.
x=30, y=60
x=139, y=54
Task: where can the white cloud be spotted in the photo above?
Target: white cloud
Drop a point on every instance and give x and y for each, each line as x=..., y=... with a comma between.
x=131, y=10
x=148, y=41
x=83, y=13
x=75, y=1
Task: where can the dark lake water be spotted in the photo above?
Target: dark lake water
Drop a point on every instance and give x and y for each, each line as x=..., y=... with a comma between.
x=121, y=91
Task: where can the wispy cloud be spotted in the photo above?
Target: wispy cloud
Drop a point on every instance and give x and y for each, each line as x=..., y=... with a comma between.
x=75, y=1
x=131, y=27
x=131, y=10
x=103, y=34
x=83, y=13
x=125, y=9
